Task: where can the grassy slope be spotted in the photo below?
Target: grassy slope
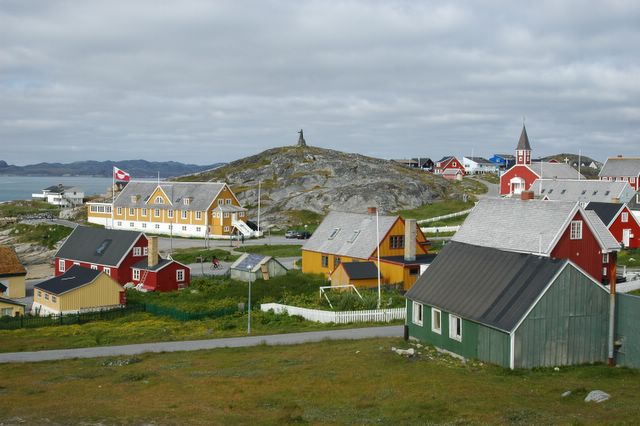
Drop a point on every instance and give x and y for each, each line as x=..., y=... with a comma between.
x=436, y=209
x=42, y=234
x=191, y=255
x=331, y=382
x=17, y=208
x=277, y=250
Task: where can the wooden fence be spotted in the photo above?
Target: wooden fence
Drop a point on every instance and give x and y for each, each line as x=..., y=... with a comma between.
x=338, y=317
x=446, y=216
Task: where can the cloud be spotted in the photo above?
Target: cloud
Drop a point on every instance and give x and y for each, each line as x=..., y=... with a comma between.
x=206, y=81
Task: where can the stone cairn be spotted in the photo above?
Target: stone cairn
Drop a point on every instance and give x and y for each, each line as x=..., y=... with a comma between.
x=301, y=141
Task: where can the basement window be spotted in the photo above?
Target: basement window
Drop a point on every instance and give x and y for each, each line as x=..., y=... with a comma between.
x=417, y=313
x=334, y=233
x=436, y=320
x=455, y=327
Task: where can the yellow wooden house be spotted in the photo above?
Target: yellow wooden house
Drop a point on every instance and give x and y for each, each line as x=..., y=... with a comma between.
x=188, y=209
x=77, y=290
x=352, y=237
x=10, y=308
x=12, y=274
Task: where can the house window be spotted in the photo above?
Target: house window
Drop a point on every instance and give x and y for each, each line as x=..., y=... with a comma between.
x=576, y=230
x=136, y=274
x=226, y=229
x=61, y=265
x=198, y=228
x=436, y=321
x=184, y=214
x=144, y=225
x=336, y=261
x=157, y=226
x=170, y=214
x=180, y=275
x=226, y=214
x=144, y=212
x=119, y=210
x=604, y=272
x=39, y=293
x=454, y=164
x=159, y=200
x=605, y=257
x=396, y=241
x=46, y=296
x=353, y=236
x=414, y=271
x=198, y=215
x=186, y=201
x=241, y=214
x=134, y=198
x=228, y=200
x=131, y=224
x=94, y=267
x=417, y=313
x=325, y=261
x=145, y=251
x=137, y=251
x=184, y=227
x=455, y=327
x=157, y=213
x=107, y=271
x=220, y=202
x=624, y=217
x=132, y=211
x=54, y=299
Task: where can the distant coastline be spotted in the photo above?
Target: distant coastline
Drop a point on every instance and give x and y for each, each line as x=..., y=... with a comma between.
x=13, y=188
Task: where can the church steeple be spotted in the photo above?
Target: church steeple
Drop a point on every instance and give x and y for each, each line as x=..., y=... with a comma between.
x=523, y=150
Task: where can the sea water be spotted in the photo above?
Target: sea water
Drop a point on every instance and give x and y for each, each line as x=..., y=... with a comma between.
x=21, y=187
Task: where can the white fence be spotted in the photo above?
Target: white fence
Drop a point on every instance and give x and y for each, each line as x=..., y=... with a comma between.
x=435, y=229
x=342, y=317
x=446, y=216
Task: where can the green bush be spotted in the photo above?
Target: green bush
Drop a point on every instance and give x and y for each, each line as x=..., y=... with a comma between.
x=42, y=234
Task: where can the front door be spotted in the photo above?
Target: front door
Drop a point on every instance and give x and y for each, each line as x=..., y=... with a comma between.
x=626, y=236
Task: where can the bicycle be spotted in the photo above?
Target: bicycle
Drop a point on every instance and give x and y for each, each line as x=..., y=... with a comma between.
x=215, y=265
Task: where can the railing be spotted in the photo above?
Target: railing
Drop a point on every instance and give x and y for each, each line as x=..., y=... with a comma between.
x=339, y=317
x=446, y=216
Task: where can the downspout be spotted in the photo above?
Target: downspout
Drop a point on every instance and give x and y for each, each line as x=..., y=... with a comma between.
x=612, y=307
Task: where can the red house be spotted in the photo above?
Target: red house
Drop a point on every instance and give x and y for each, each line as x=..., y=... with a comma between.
x=449, y=168
x=157, y=274
x=623, y=169
x=556, y=229
x=119, y=254
x=620, y=221
x=521, y=175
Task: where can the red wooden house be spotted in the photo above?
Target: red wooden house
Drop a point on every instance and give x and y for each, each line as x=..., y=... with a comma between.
x=449, y=167
x=623, y=169
x=521, y=176
x=556, y=229
x=123, y=255
x=620, y=221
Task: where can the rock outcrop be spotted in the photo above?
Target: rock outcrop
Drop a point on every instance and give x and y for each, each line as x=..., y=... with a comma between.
x=304, y=178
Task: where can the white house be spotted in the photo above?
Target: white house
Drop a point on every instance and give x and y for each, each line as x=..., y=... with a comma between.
x=60, y=195
x=479, y=165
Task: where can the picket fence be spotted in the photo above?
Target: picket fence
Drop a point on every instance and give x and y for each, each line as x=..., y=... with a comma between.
x=446, y=216
x=341, y=317
x=436, y=229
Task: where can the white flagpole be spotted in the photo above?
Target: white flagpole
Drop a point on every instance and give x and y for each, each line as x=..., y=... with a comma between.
x=113, y=193
x=378, y=243
x=259, y=185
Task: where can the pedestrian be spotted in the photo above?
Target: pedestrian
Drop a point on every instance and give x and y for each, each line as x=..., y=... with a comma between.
x=242, y=238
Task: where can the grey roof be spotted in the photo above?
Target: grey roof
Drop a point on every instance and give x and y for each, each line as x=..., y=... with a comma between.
x=360, y=270
x=480, y=160
x=421, y=259
x=532, y=226
x=11, y=301
x=230, y=208
x=582, y=190
x=75, y=277
x=98, y=245
x=607, y=212
x=452, y=171
x=506, y=156
x=201, y=193
x=555, y=170
x=251, y=262
x=57, y=188
x=523, y=142
x=607, y=240
x=621, y=167
x=144, y=262
x=445, y=159
x=489, y=286
x=348, y=224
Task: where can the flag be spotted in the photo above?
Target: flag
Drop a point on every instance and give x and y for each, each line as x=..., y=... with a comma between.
x=120, y=175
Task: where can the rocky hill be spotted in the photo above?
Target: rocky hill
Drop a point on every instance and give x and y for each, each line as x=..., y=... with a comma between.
x=572, y=160
x=303, y=183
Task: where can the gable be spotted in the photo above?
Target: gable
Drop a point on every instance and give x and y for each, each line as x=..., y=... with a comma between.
x=97, y=245
x=157, y=195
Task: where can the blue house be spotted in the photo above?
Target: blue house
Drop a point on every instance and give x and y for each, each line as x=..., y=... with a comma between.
x=504, y=161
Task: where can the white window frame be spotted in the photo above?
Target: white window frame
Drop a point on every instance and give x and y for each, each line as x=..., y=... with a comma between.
x=145, y=251
x=106, y=270
x=605, y=258
x=417, y=313
x=624, y=217
x=170, y=214
x=130, y=224
x=119, y=210
x=137, y=251
x=61, y=265
x=144, y=212
x=226, y=229
x=184, y=227
x=119, y=223
x=159, y=200
x=453, y=332
x=436, y=313
x=144, y=224
x=136, y=274
x=184, y=214
x=198, y=215
x=132, y=211
x=575, y=232
x=94, y=267
x=228, y=201
x=226, y=214
x=157, y=213
x=220, y=202
x=180, y=275
x=157, y=226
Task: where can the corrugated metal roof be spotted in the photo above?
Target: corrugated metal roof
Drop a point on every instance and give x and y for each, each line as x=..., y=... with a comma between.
x=607, y=240
x=607, y=212
x=336, y=233
x=515, y=225
x=621, y=167
x=554, y=170
x=485, y=285
x=202, y=194
x=582, y=190
x=98, y=245
x=75, y=277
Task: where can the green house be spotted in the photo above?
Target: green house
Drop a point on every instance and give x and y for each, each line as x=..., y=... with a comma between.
x=511, y=309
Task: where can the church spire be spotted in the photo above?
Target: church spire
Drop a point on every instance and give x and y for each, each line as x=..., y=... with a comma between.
x=523, y=150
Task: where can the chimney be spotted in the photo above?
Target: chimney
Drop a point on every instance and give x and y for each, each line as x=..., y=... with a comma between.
x=615, y=200
x=152, y=252
x=410, y=240
x=526, y=195
x=371, y=210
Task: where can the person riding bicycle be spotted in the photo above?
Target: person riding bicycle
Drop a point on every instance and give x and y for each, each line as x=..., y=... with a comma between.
x=214, y=261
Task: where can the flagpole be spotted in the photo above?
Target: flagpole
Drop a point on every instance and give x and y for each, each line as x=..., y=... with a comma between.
x=113, y=193
x=378, y=250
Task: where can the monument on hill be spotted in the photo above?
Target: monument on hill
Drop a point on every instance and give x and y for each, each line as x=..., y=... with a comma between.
x=301, y=141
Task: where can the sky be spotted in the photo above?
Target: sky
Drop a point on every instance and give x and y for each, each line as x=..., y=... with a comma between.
x=212, y=81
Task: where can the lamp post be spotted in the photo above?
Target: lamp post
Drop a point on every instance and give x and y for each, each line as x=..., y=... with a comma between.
x=250, y=267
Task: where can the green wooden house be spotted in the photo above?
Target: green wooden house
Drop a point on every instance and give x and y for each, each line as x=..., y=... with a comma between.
x=512, y=309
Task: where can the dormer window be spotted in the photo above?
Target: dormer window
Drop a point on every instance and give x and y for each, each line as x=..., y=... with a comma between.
x=186, y=201
x=595, y=192
x=542, y=190
x=334, y=233
x=220, y=202
x=551, y=190
x=584, y=191
x=135, y=198
x=159, y=200
x=353, y=237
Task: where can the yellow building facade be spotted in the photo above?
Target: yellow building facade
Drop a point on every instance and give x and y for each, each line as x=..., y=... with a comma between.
x=12, y=274
x=10, y=308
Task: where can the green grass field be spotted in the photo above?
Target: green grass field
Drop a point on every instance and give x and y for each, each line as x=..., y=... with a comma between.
x=331, y=382
x=439, y=208
x=191, y=255
x=630, y=258
x=19, y=208
x=276, y=250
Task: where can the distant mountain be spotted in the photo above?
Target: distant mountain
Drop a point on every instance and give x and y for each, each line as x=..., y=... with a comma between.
x=136, y=168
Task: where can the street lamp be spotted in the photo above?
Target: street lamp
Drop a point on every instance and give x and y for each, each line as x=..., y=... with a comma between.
x=250, y=267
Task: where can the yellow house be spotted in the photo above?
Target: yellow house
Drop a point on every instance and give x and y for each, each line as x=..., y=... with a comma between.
x=10, y=308
x=188, y=209
x=355, y=237
x=359, y=274
x=12, y=274
x=77, y=290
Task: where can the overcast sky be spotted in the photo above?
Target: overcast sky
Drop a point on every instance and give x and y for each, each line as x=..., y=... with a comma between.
x=206, y=81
